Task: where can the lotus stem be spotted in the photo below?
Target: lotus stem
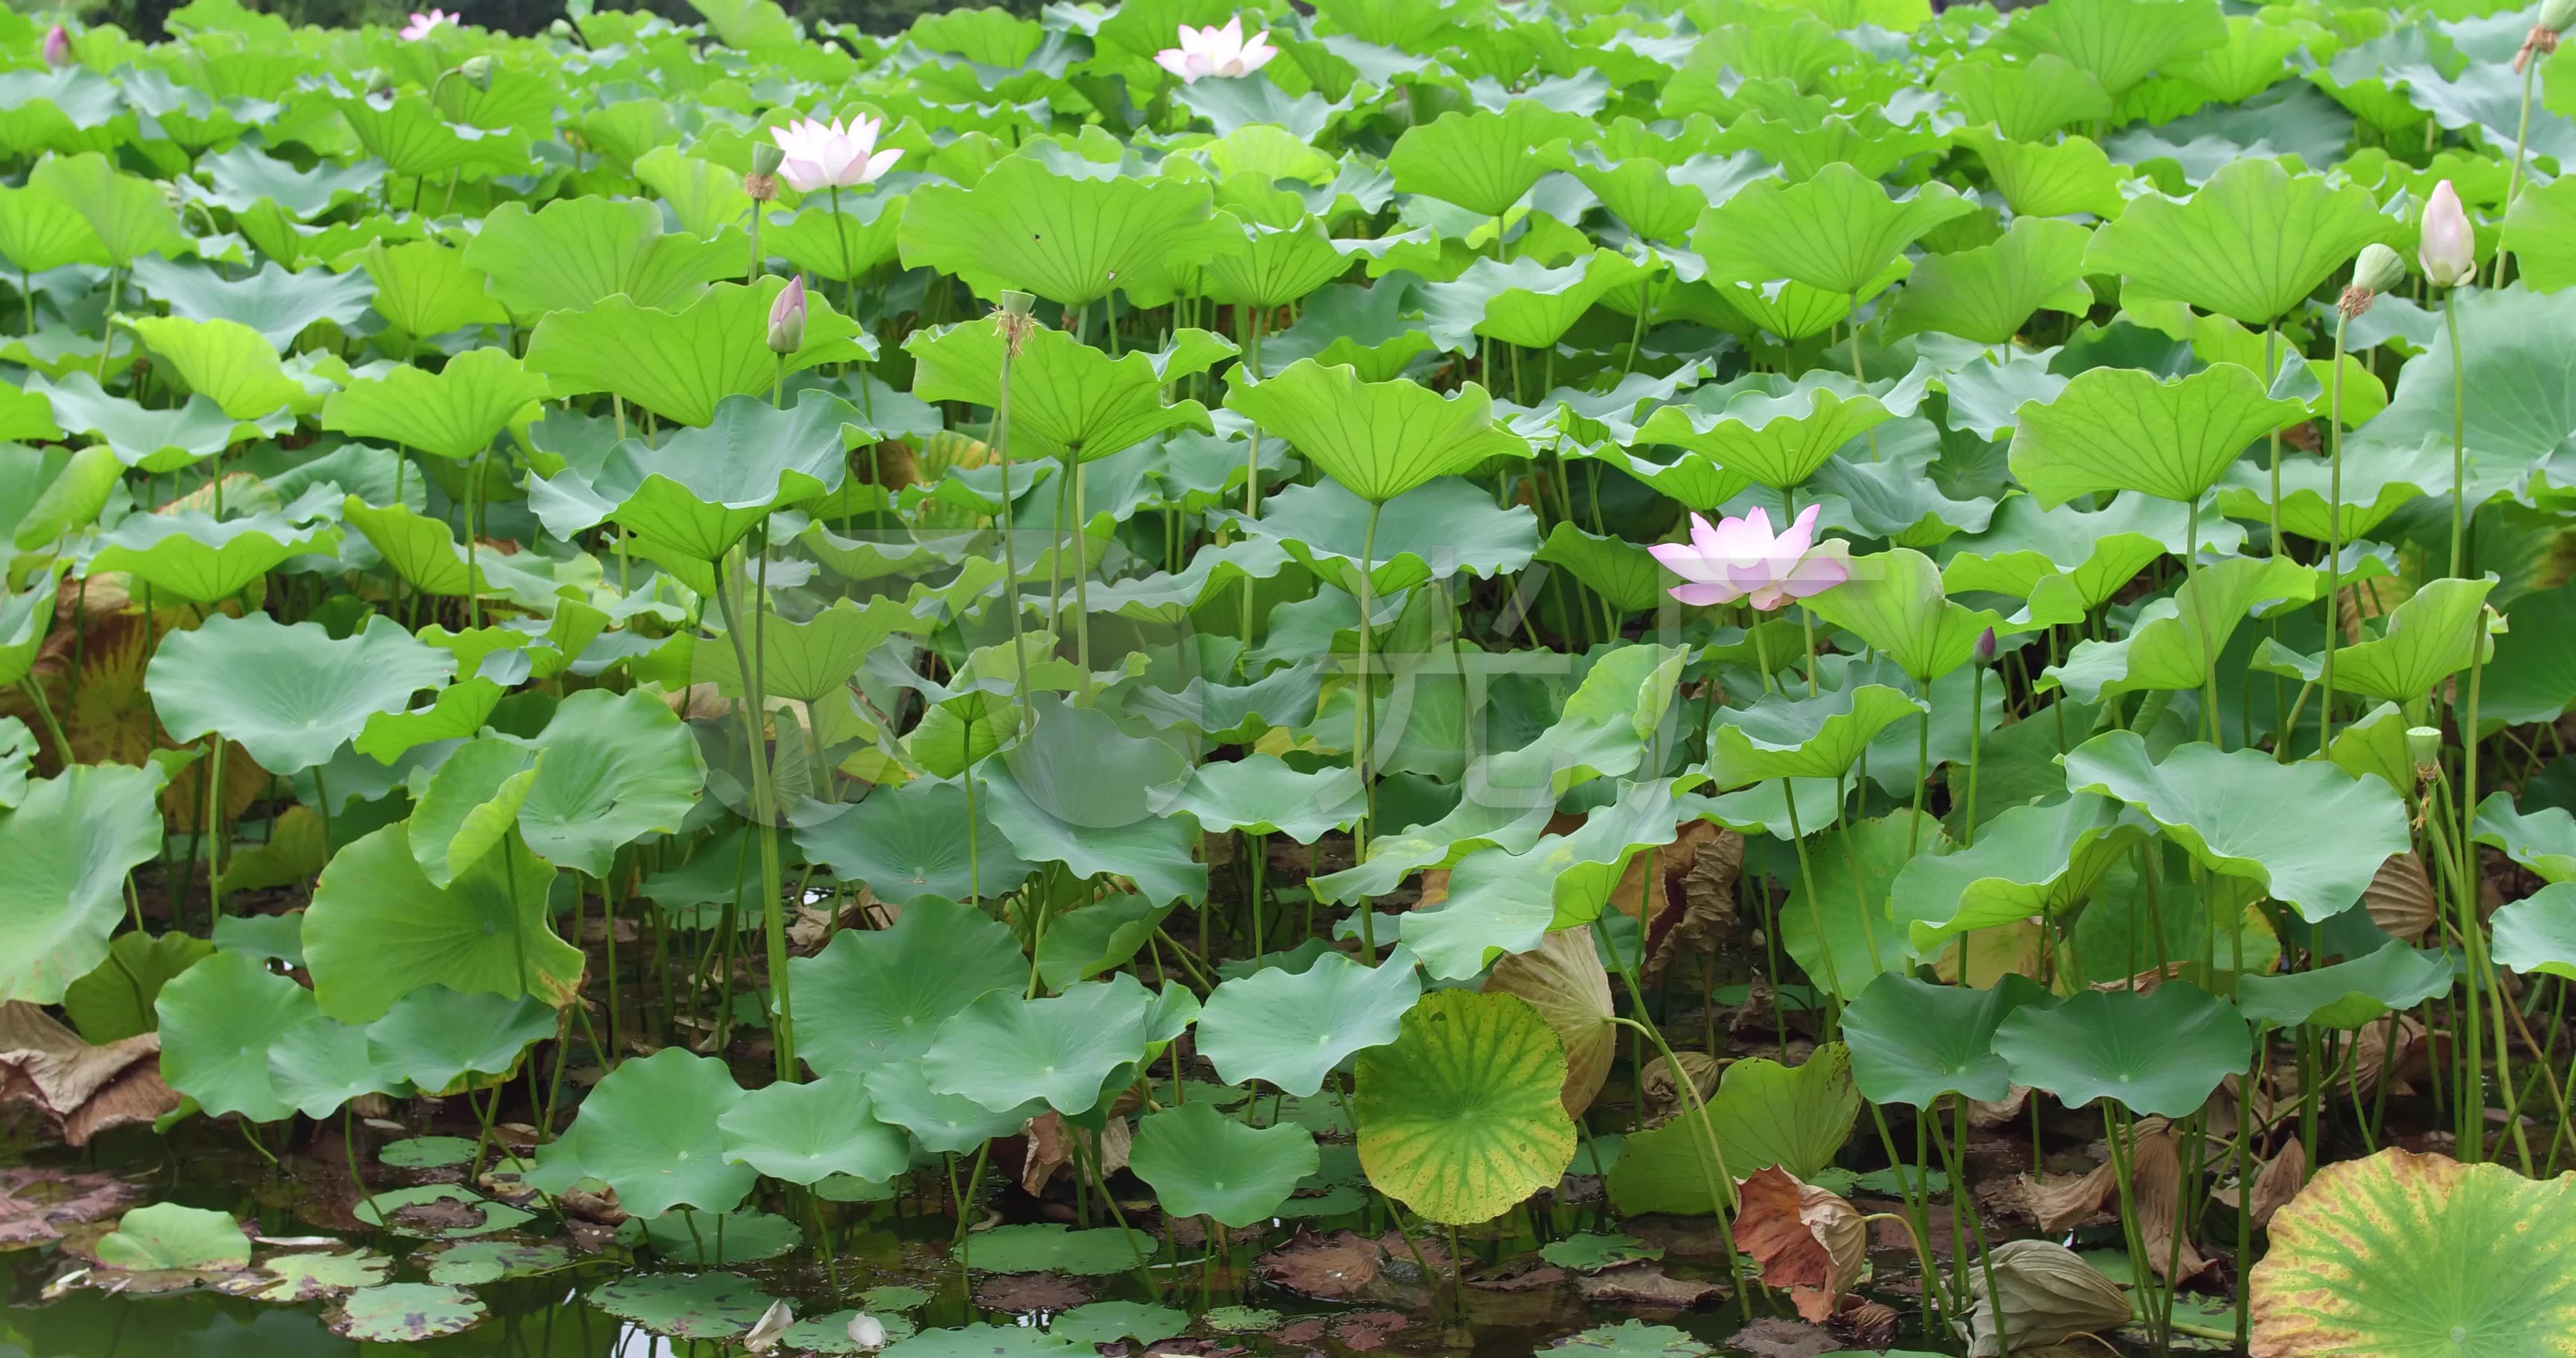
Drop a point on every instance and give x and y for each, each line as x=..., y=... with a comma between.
x=1976, y=1225
x=1937, y=1297
x=1914, y=823
x=2334, y=547
x=2191, y=577
x=2459, y=432
x=106, y=321
x=1815, y=906
x=1010, y=540
x=1252, y=458
x=211, y=830
x=473, y=533
x=2513, y=186
x=1360, y=732
x=2470, y=1097
x=1976, y=738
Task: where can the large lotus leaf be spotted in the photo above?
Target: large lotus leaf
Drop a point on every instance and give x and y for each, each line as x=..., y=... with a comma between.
x=226, y=362
x=218, y=1020
x=848, y=245
x=378, y=928
x=2311, y=835
x=1435, y=530
x=2251, y=244
x=877, y=997
x=811, y=660
x=190, y=556
x=423, y=550
x=682, y=364
x=950, y=1124
x=574, y=253
x=1098, y=937
x=1079, y=791
x=1845, y=934
x=1202, y=1163
x=2518, y=358
x=651, y=1130
x=69, y=841
x=2049, y=179
x=410, y=136
x=168, y=1235
x=1564, y=980
x=2175, y=640
x=1378, y=439
x=1621, y=573
x=1523, y=302
x=2346, y=1269
x=1775, y=430
x=154, y=441
x=1913, y=1041
x=1262, y=794
x=322, y=1063
x=1459, y=1117
x=2348, y=994
x=2119, y=43
x=700, y=491
x=2543, y=839
x=1501, y=901
x=1794, y=1117
x=1480, y=160
x=454, y=413
x=1782, y=736
x=690, y=1306
x=2537, y=934
x=1072, y=238
x=2096, y=552
x=1293, y=1028
x=39, y=232
x=130, y=215
x=2542, y=232
x=424, y=288
x=1987, y=294
x=276, y=303
x=2438, y=631
x=913, y=841
x=67, y=495
x=1068, y=400
x=1274, y=266
x=2030, y=860
x=115, y=1000
x=2125, y=429
x=1894, y=601
x=2532, y=674
x=1003, y=1049
x=802, y=1133
x=1369, y=330
x=1836, y=232
x=437, y=1038
x=2156, y=1051
x=616, y=767
x=2376, y=483
x=288, y=695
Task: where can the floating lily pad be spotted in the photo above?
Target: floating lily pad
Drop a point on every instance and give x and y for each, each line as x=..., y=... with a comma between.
x=400, y=1313
x=1050, y=1248
x=692, y=1306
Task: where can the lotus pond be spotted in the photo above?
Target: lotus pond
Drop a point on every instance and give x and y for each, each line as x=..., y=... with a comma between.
x=1633, y=680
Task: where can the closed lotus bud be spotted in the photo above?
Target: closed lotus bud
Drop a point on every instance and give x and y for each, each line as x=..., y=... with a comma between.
x=560, y=29
x=1986, y=647
x=762, y=182
x=2449, y=252
x=58, y=47
x=2558, y=15
x=2043, y=1294
x=2379, y=268
x=866, y=1331
x=787, y=318
x=478, y=71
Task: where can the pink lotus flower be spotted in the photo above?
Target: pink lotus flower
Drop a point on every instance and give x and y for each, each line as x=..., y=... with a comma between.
x=421, y=24
x=1216, y=51
x=787, y=318
x=58, y=47
x=2450, y=249
x=1743, y=559
x=823, y=155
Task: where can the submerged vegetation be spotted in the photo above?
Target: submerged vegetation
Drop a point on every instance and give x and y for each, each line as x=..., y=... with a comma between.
x=1648, y=677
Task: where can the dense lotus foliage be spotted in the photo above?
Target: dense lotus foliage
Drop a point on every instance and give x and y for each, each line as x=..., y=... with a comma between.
x=1938, y=640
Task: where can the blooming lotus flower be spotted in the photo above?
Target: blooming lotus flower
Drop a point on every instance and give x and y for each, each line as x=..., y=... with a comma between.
x=866, y=1331
x=1743, y=559
x=1216, y=51
x=824, y=155
x=421, y=24
x=58, y=47
x=2449, y=252
x=787, y=318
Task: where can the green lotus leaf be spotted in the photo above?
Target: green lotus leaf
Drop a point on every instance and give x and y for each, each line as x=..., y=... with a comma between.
x=811, y=660
x=2310, y=835
x=471, y=805
x=26, y=414
x=218, y=1020
x=2537, y=934
x=167, y=1235
x=2543, y=840
x=1459, y=1117
x=410, y=136
x=2176, y=639
x=322, y=1063
x=1846, y=933
x=40, y=232
x=1865, y=141
x=386, y=1211
x=690, y=1306
x=700, y=491
x=378, y=928
x=1264, y=795
x=1051, y=1248
x=70, y=841
x=1797, y=1117
x=1623, y=574
x=2376, y=485
x=1068, y=400
x=25, y=617
x=950, y=1124
x=651, y=1131
x=2121, y=45
x=156, y=442
x=437, y=1038
x=1565, y=980
x=226, y=362
x=2159, y=1051
x=851, y=245
x=276, y=303
x=1202, y=1163
x=2348, y=994
x=960, y=732
x=714, y=1239
x=1001, y=1050
x=2343, y=1271
x=2250, y=244
x=1501, y=901
x=2029, y=860
x=1632, y=1339
x=1987, y=294
x=2096, y=552
x=1079, y=791
x=1071, y=238
x=1449, y=521
x=1483, y=160
x=1274, y=266
x=802, y=1133
x=682, y=364
x=2028, y=101
x=980, y=1340
x=1781, y=736
x=129, y=215
x=2438, y=631
x=1096, y=938
x=288, y=695
x=2125, y=429
x=468, y=1263
x=1775, y=430
x=398, y=1313
x=424, y=288
x=2049, y=179
x=1378, y=439
x=312, y=1276
x=115, y=1000
x=1293, y=1028
x=1894, y=601
x=1107, y=1322
x=1366, y=329
x=2542, y=231
x=912, y=841
x=1835, y=233
x=574, y=253
x=1913, y=1041
x=425, y=553
x=196, y=558
x=2517, y=355
x=1524, y=302
x=616, y=767
x=454, y=413
x=17, y=760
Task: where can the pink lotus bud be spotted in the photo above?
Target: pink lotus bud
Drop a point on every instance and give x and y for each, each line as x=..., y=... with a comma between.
x=2449, y=252
x=58, y=47
x=1986, y=647
x=787, y=318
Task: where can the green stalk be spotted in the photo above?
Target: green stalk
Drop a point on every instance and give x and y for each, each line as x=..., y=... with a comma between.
x=764, y=812
x=2191, y=574
x=2513, y=187
x=2459, y=430
x=2334, y=549
x=211, y=830
x=1251, y=458
x=1010, y=544
x=1976, y=734
x=473, y=531
x=1360, y=733
x=1922, y=776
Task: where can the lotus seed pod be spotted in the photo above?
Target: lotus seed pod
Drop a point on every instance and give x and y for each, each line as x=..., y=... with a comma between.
x=2557, y=15
x=766, y=157
x=1018, y=303
x=478, y=71
x=2379, y=269
x=2424, y=745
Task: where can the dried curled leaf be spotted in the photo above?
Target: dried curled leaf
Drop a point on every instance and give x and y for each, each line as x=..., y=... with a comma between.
x=1803, y=1238
x=83, y=1090
x=1709, y=858
x=2400, y=897
x=2043, y=1294
x=1663, y=1096
x=1564, y=981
